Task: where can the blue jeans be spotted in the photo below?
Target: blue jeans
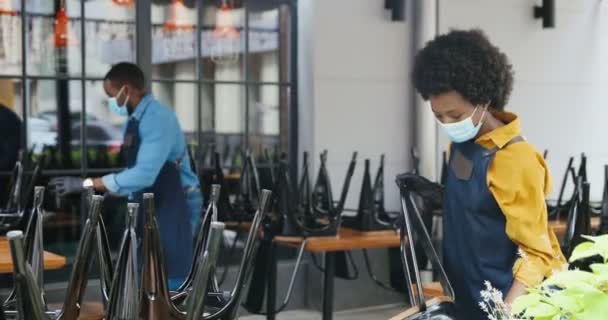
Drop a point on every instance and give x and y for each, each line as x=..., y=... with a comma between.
x=194, y=200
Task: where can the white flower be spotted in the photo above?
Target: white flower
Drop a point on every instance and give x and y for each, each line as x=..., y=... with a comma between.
x=493, y=304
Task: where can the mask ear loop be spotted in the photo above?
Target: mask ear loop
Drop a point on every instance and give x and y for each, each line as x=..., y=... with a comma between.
x=119, y=93
x=485, y=108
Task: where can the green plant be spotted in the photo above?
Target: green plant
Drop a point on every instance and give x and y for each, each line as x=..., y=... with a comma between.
x=570, y=294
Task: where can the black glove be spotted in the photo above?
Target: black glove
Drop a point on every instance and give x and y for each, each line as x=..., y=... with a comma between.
x=64, y=186
x=431, y=192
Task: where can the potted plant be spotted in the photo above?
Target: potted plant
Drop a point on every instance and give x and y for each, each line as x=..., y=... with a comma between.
x=567, y=294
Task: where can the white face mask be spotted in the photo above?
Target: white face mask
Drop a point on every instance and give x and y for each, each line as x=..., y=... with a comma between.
x=463, y=130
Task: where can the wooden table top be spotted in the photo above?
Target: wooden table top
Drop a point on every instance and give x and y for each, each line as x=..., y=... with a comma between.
x=559, y=227
x=51, y=261
x=233, y=176
x=350, y=239
x=347, y=239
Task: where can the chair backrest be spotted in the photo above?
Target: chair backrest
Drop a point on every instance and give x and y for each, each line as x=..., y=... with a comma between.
x=84, y=254
x=230, y=310
x=582, y=169
x=123, y=302
x=104, y=256
x=210, y=216
x=2, y=315
x=322, y=196
x=579, y=219
x=409, y=184
x=265, y=168
x=29, y=295
x=367, y=204
x=346, y=185
x=378, y=188
x=604, y=217
x=155, y=300
x=29, y=190
x=304, y=188
x=283, y=201
x=314, y=212
x=249, y=187
x=33, y=243
x=208, y=260
x=13, y=203
x=562, y=188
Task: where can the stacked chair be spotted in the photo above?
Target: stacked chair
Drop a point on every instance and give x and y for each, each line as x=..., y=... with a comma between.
x=411, y=184
x=33, y=248
x=559, y=209
x=314, y=212
x=371, y=214
x=12, y=214
x=126, y=293
x=604, y=209
x=246, y=201
x=301, y=211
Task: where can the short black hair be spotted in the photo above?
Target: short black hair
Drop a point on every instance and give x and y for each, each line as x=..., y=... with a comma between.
x=126, y=73
x=464, y=61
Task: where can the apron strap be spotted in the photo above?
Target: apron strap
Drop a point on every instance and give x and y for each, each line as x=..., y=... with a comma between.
x=512, y=141
x=463, y=167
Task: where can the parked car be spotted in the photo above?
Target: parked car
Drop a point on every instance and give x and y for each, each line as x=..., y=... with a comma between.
x=98, y=134
x=51, y=116
x=40, y=134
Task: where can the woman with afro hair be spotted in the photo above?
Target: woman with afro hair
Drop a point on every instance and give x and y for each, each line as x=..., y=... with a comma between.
x=495, y=221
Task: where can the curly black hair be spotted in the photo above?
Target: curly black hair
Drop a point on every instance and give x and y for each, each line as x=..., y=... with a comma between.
x=464, y=61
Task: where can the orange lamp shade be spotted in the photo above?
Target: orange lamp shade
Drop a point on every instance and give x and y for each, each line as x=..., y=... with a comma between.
x=62, y=25
x=125, y=3
x=224, y=26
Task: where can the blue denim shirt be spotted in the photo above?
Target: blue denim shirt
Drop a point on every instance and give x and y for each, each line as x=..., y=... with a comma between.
x=162, y=140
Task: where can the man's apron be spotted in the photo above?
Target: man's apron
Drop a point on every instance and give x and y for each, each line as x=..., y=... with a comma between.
x=172, y=212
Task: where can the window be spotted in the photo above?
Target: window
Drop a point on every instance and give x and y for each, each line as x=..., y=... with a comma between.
x=241, y=84
x=229, y=95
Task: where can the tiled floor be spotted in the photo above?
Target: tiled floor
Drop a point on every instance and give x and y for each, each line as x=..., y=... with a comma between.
x=380, y=313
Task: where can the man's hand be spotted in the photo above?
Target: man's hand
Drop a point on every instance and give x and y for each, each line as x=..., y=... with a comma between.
x=64, y=186
x=99, y=186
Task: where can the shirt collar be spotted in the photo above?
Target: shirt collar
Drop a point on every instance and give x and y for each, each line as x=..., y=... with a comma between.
x=142, y=106
x=501, y=136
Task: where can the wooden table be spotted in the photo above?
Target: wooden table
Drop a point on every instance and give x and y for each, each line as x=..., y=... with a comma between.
x=233, y=176
x=51, y=261
x=415, y=310
x=347, y=239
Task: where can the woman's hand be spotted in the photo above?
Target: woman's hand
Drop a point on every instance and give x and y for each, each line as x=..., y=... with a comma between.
x=517, y=289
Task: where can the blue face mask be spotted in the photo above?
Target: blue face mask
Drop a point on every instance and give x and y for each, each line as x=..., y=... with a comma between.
x=117, y=109
x=463, y=130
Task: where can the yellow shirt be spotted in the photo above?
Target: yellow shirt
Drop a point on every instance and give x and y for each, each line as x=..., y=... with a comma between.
x=519, y=180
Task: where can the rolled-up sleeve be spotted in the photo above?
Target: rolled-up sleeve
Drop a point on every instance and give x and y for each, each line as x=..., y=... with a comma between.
x=519, y=180
x=153, y=152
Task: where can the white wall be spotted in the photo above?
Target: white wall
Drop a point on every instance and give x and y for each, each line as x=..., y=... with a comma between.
x=561, y=74
x=354, y=89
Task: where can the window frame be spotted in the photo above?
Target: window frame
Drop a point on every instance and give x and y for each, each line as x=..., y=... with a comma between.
x=143, y=54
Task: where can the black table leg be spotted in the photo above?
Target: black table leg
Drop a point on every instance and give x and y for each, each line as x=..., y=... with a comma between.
x=328, y=285
x=271, y=292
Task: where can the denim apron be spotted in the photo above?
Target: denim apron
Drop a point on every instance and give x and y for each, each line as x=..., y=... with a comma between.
x=476, y=247
x=172, y=212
